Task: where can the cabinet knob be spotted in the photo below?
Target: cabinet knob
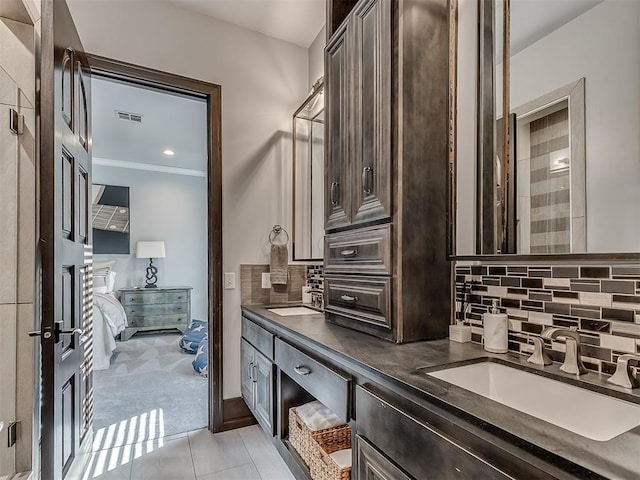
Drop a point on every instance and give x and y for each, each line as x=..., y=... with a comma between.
x=303, y=371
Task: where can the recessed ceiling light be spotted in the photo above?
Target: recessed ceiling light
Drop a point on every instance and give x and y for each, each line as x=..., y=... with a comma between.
x=113, y=227
x=169, y=152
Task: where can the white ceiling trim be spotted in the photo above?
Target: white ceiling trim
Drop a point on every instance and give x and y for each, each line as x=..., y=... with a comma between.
x=107, y=162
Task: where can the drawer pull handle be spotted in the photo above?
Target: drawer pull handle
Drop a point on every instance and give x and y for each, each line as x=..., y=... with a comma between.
x=334, y=193
x=349, y=253
x=303, y=371
x=349, y=298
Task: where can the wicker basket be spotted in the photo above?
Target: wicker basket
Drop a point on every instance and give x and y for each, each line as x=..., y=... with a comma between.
x=322, y=466
x=301, y=437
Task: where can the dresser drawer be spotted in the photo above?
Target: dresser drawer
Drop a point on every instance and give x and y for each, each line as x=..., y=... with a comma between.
x=145, y=298
x=157, y=309
x=366, y=250
x=326, y=385
x=158, y=321
x=365, y=299
x=257, y=336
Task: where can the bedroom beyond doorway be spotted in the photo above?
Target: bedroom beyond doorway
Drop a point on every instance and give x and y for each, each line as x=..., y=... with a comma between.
x=150, y=270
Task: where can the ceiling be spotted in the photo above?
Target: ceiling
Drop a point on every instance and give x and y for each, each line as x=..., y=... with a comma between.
x=295, y=21
x=532, y=20
x=168, y=122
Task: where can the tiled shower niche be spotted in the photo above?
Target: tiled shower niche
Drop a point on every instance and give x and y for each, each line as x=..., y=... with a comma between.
x=601, y=302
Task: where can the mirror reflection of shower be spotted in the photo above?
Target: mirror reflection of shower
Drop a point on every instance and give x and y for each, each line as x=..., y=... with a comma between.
x=308, y=177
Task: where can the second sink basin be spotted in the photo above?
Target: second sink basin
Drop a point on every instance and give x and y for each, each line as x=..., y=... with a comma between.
x=290, y=311
x=590, y=414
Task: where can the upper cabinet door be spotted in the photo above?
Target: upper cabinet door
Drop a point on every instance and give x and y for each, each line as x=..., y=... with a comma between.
x=338, y=151
x=372, y=71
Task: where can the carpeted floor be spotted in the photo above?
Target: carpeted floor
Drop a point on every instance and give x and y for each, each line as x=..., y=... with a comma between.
x=152, y=387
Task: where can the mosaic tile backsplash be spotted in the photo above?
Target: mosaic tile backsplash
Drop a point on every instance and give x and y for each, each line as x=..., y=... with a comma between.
x=601, y=302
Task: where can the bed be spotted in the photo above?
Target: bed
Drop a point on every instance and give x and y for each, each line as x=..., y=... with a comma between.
x=109, y=317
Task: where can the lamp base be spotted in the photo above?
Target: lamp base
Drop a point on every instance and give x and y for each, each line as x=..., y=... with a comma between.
x=152, y=277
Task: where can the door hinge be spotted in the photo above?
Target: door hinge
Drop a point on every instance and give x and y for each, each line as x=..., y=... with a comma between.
x=16, y=122
x=12, y=433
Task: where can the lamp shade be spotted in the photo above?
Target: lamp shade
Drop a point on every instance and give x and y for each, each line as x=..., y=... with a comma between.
x=150, y=250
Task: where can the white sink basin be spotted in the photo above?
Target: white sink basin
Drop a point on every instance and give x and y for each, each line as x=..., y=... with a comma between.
x=290, y=311
x=590, y=414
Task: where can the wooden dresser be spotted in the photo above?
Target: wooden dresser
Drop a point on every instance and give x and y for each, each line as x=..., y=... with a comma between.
x=162, y=308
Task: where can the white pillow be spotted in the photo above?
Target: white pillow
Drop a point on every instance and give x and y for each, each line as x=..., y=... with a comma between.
x=103, y=267
x=111, y=281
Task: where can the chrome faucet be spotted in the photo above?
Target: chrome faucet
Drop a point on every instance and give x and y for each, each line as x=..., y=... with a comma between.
x=572, y=362
x=623, y=377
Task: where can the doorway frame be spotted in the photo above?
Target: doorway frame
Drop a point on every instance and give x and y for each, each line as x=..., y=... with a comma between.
x=143, y=76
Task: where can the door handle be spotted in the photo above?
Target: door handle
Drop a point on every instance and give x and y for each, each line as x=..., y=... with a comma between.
x=366, y=174
x=37, y=333
x=334, y=194
x=349, y=253
x=349, y=298
x=255, y=377
x=251, y=371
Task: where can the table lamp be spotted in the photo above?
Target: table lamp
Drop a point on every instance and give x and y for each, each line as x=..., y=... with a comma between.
x=150, y=250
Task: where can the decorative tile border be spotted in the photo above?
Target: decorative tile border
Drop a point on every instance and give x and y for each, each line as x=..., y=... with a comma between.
x=601, y=302
x=315, y=276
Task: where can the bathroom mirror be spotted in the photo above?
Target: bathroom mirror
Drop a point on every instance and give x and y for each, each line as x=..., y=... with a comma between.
x=562, y=175
x=308, y=177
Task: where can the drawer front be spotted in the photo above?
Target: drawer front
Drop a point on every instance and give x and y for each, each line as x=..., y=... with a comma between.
x=326, y=385
x=257, y=336
x=159, y=309
x=158, y=321
x=417, y=447
x=366, y=250
x=146, y=298
x=365, y=299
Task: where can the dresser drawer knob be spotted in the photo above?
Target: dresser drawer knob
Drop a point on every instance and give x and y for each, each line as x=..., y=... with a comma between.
x=303, y=371
x=349, y=298
x=352, y=252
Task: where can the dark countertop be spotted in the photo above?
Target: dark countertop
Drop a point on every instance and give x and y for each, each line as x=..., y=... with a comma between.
x=406, y=364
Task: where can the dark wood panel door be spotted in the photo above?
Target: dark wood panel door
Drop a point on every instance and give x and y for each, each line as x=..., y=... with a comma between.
x=65, y=237
x=372, y=112
x=373, y=465
x=339, y=135
x=263, y=382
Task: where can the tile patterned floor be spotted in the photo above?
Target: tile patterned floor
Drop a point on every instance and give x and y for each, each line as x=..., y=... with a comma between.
x=242, y=454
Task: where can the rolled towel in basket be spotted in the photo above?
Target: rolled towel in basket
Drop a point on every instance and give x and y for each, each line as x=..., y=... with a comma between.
x=279, y=264
x=318, y=417
x=342, y=458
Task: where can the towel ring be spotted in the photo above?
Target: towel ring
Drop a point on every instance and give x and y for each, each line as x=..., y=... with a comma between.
x=275, y=233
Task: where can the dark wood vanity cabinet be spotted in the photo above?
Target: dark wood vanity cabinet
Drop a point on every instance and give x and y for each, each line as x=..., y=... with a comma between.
x=387, y=85
x=256, y=377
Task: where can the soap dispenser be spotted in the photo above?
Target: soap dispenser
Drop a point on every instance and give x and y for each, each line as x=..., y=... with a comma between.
x=496, y=329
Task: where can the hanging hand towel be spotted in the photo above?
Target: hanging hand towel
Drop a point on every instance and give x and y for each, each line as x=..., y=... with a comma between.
x=279, y=264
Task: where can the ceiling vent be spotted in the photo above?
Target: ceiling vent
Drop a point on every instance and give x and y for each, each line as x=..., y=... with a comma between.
x=129, y=117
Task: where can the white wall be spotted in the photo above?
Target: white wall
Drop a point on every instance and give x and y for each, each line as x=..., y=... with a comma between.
x=263, y=80
x=602, y=46
x=167, y=207
x=316, y=57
